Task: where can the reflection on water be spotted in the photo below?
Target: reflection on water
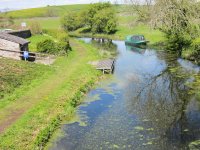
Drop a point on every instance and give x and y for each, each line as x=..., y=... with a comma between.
x=145, y=105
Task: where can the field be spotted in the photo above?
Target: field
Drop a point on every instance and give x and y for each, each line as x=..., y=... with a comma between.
x=49, y=11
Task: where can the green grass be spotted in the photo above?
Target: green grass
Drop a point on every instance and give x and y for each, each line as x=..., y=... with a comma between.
x=54, y=99
x=45, y=22
x=44, y=11
x=14, y=74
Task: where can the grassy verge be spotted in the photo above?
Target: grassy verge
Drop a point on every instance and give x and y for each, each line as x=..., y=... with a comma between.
x=45, y=22
x=56, y=97
x=44, y=11
x=15, y=74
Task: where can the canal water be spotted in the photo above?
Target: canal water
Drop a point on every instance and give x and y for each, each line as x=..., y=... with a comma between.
x=146, y=105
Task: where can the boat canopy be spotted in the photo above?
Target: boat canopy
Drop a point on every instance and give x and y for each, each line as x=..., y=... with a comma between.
x=135, y=38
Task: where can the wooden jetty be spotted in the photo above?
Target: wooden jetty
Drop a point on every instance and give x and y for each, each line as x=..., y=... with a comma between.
x=106, y=65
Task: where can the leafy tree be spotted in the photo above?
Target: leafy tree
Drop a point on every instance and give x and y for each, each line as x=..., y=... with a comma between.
x=94, y=9
x=178, y=19
x=104, y=22
x=72, y=21
x=99, y=18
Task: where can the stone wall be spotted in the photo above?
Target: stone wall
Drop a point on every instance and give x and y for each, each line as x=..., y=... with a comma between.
x=21, y=33
x=9, y=49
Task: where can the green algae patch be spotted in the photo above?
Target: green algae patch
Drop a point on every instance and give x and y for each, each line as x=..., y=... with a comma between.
x=150, y=129
x=92, y=98
x=80, y=119
x=116, y=146
x=139, y=128
x=148, y=143
x=186, y=130
x=195, y=145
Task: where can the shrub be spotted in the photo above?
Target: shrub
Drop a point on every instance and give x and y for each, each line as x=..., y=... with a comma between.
x=72, y=21
x=47, y=46
x=104, y=21
x=63, y=44
x=35, y=27
x=193, y=52
x=52, y=47
x=196, y=45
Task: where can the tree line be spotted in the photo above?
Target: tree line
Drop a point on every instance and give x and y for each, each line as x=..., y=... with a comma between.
x=99, y=18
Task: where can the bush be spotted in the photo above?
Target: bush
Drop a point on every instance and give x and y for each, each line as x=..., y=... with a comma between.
x=196, y=45
x=72, y=21
x=52, y=32
x=52, y=47
x=35, y=27
x=193, y=52
x=63, y=44
x=178, y=42
x=104, y=22
x=47, y=46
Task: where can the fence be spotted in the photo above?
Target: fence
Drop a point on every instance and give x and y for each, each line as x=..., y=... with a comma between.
x=34, y=57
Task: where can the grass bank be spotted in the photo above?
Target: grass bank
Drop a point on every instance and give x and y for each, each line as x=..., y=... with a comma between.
x=47, y=11
x=15, y=74
x=30, y=119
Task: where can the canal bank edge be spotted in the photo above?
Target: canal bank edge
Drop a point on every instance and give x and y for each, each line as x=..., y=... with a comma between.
x=69, y=109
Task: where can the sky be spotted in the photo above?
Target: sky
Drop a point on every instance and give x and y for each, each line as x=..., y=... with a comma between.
x=22, y=4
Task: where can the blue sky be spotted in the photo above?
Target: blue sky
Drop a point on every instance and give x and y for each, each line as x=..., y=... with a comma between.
x=21, y=4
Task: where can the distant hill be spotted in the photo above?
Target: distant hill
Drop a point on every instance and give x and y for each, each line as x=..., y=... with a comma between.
x=49, y=11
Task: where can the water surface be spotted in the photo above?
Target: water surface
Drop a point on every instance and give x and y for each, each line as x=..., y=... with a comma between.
x=144, y=106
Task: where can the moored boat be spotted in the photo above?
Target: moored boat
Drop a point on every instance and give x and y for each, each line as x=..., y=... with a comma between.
x=136, y=40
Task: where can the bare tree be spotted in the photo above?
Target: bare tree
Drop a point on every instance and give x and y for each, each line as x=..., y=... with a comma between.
x=141, y=8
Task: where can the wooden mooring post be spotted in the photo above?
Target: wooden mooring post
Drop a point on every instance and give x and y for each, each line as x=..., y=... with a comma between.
x=106, y=65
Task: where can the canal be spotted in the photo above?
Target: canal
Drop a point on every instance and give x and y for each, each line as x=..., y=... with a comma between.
x=146, y=105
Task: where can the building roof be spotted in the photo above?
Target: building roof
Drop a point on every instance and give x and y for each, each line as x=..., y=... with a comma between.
x=13, y=38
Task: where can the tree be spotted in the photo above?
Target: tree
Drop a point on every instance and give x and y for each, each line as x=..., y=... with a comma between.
x=104, y=22
x=72, y=21
x=178, y=19
x=94, y=9
x=142, y=8
x=101, y=18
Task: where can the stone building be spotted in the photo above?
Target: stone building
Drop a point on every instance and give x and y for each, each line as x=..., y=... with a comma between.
x=12, y=46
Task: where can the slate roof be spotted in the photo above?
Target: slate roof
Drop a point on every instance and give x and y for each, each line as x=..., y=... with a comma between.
x=13, y=38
